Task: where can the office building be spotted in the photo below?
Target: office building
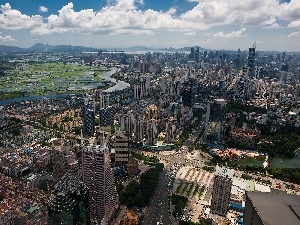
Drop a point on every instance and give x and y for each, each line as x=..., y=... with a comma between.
x=119, y=143
x=271, y=208
x=88, y=117
x=221, y=191
x=214, y=123
x=70, y=203
x=152, y=112
x=251, y=61
x=107, y=116
x=98, y=177
x=170, y=130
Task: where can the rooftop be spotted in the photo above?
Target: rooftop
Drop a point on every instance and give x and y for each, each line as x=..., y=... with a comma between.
x=276, y=209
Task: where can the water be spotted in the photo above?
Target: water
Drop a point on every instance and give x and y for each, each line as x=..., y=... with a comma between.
x=119, y=85
x=276, y=162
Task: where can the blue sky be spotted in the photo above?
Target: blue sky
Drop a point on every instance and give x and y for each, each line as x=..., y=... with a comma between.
x=214, y=24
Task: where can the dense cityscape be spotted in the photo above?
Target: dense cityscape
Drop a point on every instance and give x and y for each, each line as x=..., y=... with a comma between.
x=154, y=137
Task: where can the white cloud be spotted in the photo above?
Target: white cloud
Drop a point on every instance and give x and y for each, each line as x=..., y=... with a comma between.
x=14, y=20
x=294, y=34
x=294, y=24
x=120, y=18
x=193, y=33
x=43, y=9
x=273, y=26
x=6, y=38
x=235, y=34
x=125, y=17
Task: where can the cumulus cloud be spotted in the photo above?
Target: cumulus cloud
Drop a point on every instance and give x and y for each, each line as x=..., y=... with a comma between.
x=120, y=18
x=235, y=34
x=126, y=17
x=252, y=12
x=273, y=26
x=294, y=24
x=6, y=38
x=43, y=9
x=294, y=34
x=14, y=20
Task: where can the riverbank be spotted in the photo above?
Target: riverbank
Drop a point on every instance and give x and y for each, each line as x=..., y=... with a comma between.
x=118, y=85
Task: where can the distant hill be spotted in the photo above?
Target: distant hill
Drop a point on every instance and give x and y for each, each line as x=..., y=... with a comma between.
x=11, y=49
x=39, y=47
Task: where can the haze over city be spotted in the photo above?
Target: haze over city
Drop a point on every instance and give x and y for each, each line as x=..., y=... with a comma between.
x=272, y=24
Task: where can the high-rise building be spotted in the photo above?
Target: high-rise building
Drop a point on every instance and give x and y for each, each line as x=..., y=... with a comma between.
x=88, y=117
x=98, y=177
x=197, y=55
x=251, y=61
x=70, y=203
x=119, y=142
x=271, y=208
x=107, y=116
x=221, y=191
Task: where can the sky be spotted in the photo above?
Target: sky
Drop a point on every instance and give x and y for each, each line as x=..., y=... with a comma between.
x=212, y=24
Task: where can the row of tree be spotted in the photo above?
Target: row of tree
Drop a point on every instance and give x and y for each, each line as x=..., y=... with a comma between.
x=139, y=193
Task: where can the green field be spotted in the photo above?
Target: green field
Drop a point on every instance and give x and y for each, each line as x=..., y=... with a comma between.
x=44, y=78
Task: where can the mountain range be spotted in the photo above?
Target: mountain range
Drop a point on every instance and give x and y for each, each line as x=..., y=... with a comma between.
x=39, y=47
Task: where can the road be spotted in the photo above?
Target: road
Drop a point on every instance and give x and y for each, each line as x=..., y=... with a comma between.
x=158, y=209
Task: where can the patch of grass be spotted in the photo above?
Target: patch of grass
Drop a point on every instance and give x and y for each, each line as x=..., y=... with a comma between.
x=184, y=188
x=201, y=191
x=190, y=189
x=179, y=187
x=196, y=189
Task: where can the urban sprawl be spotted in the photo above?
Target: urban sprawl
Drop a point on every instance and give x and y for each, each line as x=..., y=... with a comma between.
x=199, y=137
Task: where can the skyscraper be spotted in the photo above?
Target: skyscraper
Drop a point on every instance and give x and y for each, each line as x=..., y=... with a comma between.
x=107, y=116
x=88, y=117
x=251, y=61
x=98, y=177
x=221, y=191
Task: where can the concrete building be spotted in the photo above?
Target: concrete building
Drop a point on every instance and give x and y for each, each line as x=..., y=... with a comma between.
x=271, y=208
x=251, y=61
x=119, y=142
x=221, y=191
x=63, y=160
x=152, y=112
x=170, y=130
x=88, y=117
x=98, y=177
x=107, y=116
x=214, y=123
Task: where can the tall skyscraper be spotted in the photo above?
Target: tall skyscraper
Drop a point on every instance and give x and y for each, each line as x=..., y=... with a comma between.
x=221, y=191
x=98, y=177
x=251, y=61
x=88, y=117
x=107, y=116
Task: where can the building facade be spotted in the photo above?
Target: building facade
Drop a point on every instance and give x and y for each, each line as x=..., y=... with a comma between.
x=221, y=191
x=98, y=177
x=88, y=117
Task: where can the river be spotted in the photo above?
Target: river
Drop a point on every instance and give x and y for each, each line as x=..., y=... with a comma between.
x=119, y=85
x=276, y=162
